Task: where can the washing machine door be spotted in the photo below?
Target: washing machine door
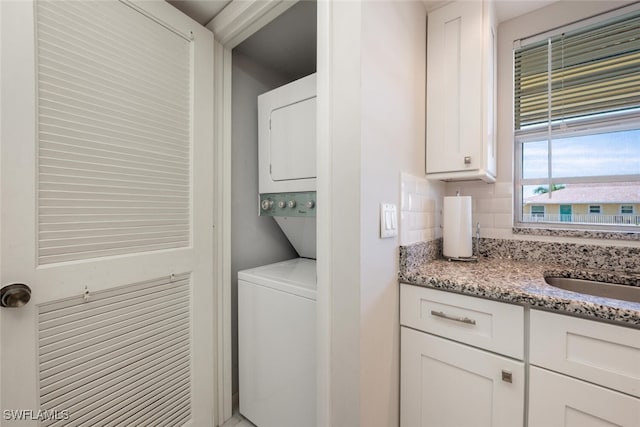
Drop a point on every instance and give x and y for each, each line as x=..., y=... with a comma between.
x=287, y=138
x=293, y=141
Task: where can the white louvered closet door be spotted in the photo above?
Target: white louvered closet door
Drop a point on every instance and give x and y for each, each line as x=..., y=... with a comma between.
x=107, y=214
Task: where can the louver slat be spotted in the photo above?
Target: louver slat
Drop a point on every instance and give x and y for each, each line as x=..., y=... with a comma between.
x=594, y=71
x=121, y=357
x=114, y=117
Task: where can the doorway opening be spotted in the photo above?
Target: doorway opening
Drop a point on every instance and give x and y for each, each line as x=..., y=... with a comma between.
x=279, y=53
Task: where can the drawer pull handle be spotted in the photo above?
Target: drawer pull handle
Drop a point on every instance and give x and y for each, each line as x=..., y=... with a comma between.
x=454, y=318
x=507, y=376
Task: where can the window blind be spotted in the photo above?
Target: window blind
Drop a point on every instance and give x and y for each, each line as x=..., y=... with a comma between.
x=593, y=70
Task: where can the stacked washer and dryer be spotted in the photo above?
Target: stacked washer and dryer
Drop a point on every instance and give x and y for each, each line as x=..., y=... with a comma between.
x=277, y=302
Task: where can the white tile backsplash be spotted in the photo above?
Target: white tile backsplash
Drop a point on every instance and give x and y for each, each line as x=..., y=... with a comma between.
x=502, y=205
x=503, y=189
x=501, y=220
x=485, y=220
x=492, y=206
x=482, y=205
x=420, y=204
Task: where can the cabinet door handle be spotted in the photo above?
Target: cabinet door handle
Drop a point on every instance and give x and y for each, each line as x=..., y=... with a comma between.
x=454, y=318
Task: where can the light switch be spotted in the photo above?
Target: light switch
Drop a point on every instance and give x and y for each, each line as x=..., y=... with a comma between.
x=388, y=220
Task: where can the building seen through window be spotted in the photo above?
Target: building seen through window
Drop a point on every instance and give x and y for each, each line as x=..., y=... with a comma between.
x=602, y=203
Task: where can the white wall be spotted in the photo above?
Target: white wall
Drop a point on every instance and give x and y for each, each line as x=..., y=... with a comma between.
x=393, y=135
x=493, y=203
x=255, y=240
x=378, y=131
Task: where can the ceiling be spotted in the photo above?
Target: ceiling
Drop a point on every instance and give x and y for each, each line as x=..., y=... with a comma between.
x=287, y=45
x=203, y=11
x=505, y=9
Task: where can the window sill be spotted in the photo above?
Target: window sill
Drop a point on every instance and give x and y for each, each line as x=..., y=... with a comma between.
x=589, y=234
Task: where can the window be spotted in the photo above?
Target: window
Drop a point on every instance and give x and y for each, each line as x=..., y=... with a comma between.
x=577, y=121
x=537, y=211
x=626, y=210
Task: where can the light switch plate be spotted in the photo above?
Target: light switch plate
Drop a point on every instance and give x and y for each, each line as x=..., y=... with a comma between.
x=388, y=220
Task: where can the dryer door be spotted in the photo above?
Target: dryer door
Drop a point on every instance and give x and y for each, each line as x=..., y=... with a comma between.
x=293, y=141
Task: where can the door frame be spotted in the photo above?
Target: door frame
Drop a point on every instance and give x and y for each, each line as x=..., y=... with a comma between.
x=235, y=23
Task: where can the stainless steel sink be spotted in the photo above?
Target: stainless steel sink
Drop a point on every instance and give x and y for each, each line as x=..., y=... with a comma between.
x=600, y=289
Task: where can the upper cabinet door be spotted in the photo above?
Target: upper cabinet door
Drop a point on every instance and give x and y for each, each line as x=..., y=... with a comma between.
x=460, y=92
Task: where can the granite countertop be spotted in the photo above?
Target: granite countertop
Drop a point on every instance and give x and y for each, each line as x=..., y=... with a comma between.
x=522, y=282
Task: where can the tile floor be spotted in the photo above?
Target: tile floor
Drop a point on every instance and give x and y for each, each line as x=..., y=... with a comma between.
x=238, y=420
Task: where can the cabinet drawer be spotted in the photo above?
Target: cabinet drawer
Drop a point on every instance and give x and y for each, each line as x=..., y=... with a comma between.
x=482, y=323
x=601, y=353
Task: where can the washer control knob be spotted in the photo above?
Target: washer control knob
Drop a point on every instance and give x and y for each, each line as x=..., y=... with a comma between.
x=282, y=204
x=311, y=204
x=266, y=204
x=291, y=204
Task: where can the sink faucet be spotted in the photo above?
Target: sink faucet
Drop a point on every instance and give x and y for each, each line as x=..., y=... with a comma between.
x=478, y=240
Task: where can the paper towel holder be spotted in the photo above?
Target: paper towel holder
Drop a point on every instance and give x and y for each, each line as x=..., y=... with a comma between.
x=473, y=258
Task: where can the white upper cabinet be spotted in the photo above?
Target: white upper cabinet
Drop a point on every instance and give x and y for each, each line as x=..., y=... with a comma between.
x=461, y=45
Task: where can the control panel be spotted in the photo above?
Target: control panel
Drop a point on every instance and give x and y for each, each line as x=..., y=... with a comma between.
x=288, y=204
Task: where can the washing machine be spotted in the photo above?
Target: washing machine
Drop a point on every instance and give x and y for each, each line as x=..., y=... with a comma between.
x=277, y=302
x=277, y=343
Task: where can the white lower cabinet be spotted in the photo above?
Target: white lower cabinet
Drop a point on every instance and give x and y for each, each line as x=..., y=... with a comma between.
x=454, y=369
x=597, y=352
x=583, y=373
x=448, y=384
x=557, y=400
x=463, y=364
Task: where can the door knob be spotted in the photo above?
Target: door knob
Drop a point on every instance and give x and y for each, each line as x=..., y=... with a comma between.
x=15, y=295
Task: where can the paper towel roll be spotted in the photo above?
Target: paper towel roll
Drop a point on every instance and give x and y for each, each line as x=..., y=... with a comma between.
x=457, y=227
